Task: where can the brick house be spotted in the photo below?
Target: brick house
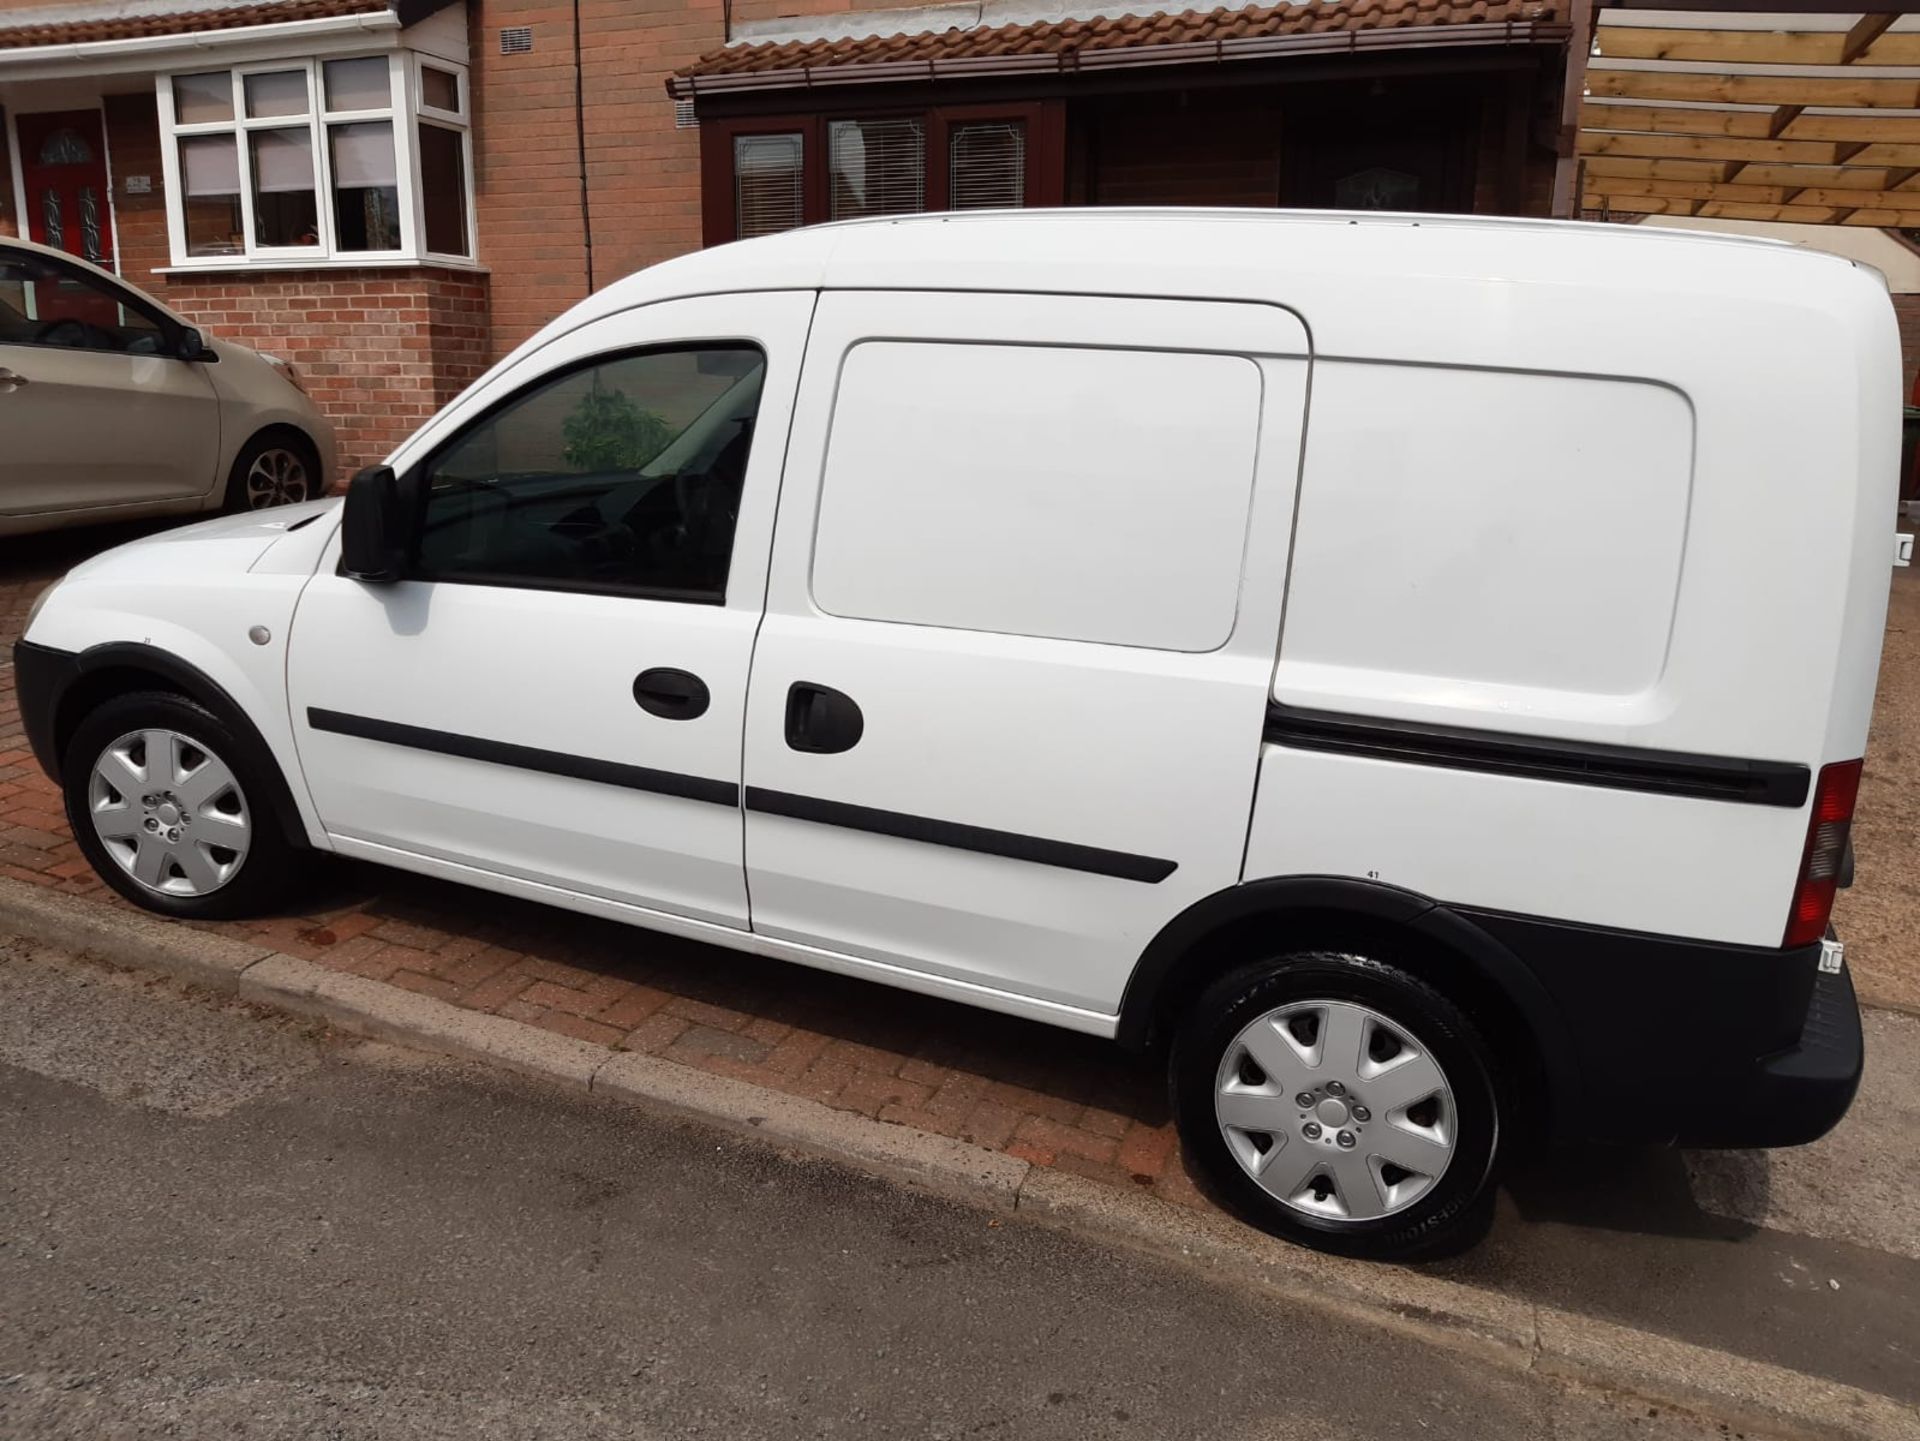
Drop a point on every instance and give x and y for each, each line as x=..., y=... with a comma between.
x=393, y=193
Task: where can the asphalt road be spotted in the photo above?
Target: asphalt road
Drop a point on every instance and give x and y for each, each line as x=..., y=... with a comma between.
x=219, y=1222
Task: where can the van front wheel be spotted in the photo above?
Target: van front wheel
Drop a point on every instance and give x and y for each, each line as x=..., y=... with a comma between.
x=1342, y=1103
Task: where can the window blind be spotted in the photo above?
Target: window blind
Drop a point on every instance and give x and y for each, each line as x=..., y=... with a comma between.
x=988, y=165
x=878, y=167
x=766, y=184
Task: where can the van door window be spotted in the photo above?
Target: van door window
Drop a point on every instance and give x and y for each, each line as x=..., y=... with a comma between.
x=622, y=475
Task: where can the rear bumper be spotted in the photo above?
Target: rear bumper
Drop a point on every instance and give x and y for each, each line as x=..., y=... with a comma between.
x=41, y=678
x=1689, y=1042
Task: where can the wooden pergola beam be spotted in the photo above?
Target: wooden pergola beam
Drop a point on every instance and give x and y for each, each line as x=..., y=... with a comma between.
x=1715, y=147
x=1867, y=29
x=1617, y=185
x=1785, y=46
x=1662, y=169
x=1752, y=124
x=1848, y=92
x=1726, y=210
x=1707, y=172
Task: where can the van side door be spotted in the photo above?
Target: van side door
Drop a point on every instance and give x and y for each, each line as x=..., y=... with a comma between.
x=552, y=696
x=1008, y=697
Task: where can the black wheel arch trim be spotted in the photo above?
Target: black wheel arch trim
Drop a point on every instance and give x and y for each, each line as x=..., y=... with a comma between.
x=1419, y=915
x=56, y=672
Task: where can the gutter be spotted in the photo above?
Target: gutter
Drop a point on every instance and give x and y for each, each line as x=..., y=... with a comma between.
x=140, y=51
x=1124, y=57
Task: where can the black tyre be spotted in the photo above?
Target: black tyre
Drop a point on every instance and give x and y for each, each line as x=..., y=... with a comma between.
x=1342, y=1103
x=276, y=467
x=173, y=809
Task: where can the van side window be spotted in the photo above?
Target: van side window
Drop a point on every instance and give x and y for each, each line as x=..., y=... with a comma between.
x=622, y=475
x=1052, y=491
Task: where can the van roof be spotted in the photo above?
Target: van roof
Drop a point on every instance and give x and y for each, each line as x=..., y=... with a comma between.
x=1211, y=253
x=1240, y=215
x=1419, y=288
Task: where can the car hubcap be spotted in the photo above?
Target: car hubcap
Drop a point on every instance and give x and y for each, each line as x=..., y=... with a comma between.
x=277, y=477
x=1336, y=1111
x=169, y=812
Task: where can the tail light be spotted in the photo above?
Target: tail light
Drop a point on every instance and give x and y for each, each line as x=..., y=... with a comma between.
x=1827, y=831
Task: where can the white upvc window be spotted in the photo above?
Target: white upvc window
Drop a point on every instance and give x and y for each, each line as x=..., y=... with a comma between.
x=336, y=160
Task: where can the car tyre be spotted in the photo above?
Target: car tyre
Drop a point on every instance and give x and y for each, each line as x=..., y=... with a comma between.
x=173, y=810
x=1387, y=1153
x=275, y=468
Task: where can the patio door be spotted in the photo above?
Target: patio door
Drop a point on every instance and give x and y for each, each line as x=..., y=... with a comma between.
x=63, y=162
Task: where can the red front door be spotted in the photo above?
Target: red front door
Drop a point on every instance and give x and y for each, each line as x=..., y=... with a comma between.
x=63, y=158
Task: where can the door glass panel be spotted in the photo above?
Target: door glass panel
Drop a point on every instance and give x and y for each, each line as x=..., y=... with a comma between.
x=52, y=218
x=65, y=147
x=284, y=211
x=90, y=225
x=366, y=198
x=277, y=92
x=622, y=476
x=210, y=177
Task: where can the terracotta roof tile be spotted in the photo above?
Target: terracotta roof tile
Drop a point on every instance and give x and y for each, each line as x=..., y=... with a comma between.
x=1159, y=28
x=16, y=33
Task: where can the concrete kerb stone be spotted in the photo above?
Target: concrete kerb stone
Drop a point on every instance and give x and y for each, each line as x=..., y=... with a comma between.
x=372, y=1008
x=1510, y=1332
x=934, y=1163
x=126, y=938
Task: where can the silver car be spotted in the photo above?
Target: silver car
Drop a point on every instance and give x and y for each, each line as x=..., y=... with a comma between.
x=112, y=407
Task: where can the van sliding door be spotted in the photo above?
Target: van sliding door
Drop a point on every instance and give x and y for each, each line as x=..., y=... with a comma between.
x=1006, y=704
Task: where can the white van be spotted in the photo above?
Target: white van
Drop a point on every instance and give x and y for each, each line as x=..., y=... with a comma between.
x=1415, y=669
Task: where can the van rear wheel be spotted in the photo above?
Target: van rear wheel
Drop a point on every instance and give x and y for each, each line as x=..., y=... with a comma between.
x=1342, y=1103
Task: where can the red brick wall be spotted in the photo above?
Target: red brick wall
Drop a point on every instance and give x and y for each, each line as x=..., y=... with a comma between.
x=379, y=348
x=643, y=173
x=1906, y=309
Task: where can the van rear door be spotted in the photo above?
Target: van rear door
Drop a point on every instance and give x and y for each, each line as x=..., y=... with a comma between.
x=1006, y=704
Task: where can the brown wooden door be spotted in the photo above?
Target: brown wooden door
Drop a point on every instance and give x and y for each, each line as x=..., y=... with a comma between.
x=63, y=160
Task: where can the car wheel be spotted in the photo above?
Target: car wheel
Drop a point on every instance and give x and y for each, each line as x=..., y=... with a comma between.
x=1342, y=1103
x=170, y=809
x=273, y=470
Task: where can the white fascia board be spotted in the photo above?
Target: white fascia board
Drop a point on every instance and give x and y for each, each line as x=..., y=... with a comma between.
x=379, y=29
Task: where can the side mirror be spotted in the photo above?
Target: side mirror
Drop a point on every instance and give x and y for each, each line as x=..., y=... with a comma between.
x=192, y=345
x=373, y=527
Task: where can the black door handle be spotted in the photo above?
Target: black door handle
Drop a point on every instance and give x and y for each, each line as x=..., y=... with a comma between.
x=821, y=719
x=671, y=694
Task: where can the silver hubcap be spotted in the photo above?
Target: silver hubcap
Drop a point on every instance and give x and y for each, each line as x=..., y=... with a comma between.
x=277, y=477
x=1335, y=1110
x=169, y=811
